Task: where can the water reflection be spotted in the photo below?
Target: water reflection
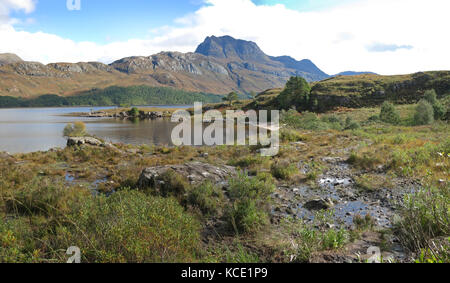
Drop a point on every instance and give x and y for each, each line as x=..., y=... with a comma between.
x=35, y=129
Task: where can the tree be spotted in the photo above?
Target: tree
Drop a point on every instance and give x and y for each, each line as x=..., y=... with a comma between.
x=438, y=108
x=424, y=113
x=389, y=114
x=232, y=96
x=295, y=93
x=134, y=112
x=77, y=129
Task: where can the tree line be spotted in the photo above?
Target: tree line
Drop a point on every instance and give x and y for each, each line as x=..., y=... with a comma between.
x=134, y=95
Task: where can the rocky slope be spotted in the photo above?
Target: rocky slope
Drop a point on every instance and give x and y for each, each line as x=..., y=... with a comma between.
x=9, y=58
x=219, y=65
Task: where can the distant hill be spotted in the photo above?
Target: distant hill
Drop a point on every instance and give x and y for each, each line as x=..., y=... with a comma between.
x=219, y=65
x=351, y=73
x=364, y=91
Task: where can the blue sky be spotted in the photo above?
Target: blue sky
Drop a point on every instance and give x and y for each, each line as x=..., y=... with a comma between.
x=104, y=21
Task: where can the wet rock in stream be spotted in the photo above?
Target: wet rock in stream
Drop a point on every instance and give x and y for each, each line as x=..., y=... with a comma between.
x=337, y=193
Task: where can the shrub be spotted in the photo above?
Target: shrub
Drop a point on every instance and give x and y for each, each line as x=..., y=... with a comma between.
x=431, y=96
x=283, y=170
x=333, y=121
x=351, y=125
x=77, y=129
x=170, y=183
x=246, y=217
x=207, y=197
x=248, y=211
x=290, y=136
x=424, y=114
x=131, y=227
x=39, y=197
x=425, y=218
x=247, y=161
x=134, y=112
x=389, y=114
x=438, y=109
x=334, y=239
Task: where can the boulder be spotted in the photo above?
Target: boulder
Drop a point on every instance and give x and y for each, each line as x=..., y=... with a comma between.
x=5, y=155
x=155, y=115
x=194, y=172
x=73, y=141
x=318, y=204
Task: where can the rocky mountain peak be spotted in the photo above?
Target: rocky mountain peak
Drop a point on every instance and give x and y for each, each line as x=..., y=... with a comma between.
x=227, y=47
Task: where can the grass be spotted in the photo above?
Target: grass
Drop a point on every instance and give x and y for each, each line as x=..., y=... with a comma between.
x=372, y=182
x=307, y=240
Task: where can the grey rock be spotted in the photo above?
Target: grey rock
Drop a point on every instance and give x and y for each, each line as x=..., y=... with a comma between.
x=318, y=204
x=195, y=172
x=73, y=141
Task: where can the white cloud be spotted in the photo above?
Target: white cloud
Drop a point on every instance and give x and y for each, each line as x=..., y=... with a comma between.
x=336, y=39
x=6, y=6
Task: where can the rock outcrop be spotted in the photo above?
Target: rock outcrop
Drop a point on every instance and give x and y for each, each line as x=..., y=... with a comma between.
x=73, y=141
x=194, y=172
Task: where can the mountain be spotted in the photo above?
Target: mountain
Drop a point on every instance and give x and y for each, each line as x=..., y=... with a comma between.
x=219, y=65
x=351, y=73
x=8, y=58
x=227, y=47
x=236, y=50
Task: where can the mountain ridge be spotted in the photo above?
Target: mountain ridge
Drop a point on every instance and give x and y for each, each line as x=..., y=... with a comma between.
x=229, y=65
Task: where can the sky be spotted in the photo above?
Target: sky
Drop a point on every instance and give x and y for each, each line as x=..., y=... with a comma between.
x=382, y=36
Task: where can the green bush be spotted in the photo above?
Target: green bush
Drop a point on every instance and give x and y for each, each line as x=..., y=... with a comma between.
x=424, y=114
x=333, y=121
x=171, y=184
x=77, y=129
x=389, y=114
x=248, y=211
x=283, y=170
x=424, y=219
x=351, y=125
x=247, y=161
x=246, y=217
x=131, y=227
x=134, y=112
x=431, y=96
x=290, y=136
x=39, y=197
x=207, y=197
x=438, y=109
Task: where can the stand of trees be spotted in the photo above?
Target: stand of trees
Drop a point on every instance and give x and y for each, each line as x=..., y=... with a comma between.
x=134, y=95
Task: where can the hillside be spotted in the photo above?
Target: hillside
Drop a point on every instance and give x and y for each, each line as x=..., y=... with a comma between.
x=219, y=65
x=364, y=91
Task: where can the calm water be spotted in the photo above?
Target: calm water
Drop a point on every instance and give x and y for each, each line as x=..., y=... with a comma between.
x=36, y=129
